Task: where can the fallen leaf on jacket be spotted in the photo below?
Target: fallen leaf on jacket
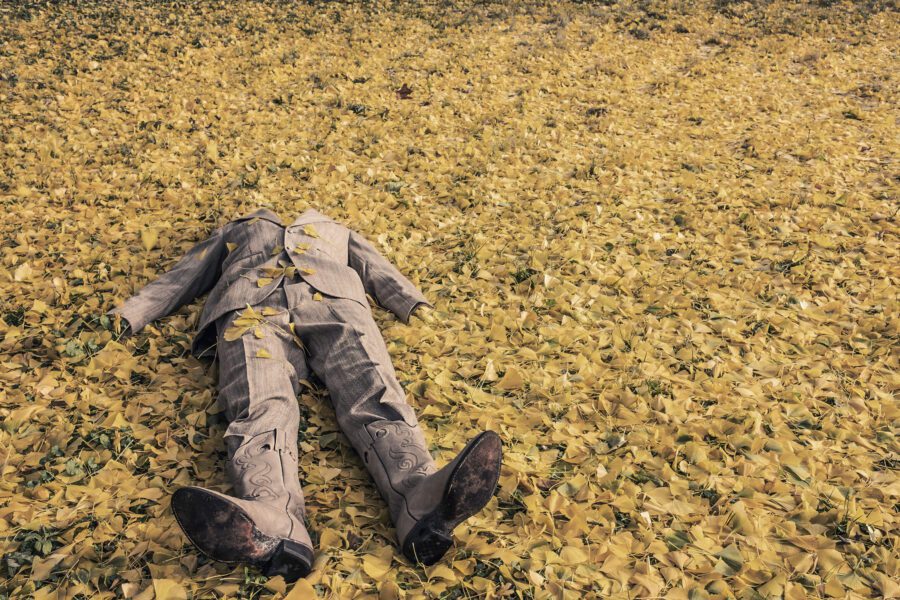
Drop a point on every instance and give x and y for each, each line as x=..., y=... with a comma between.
x=233, y=333
x=248, y=319
x=231, y=246
x=308, y=271
x=317, y=297
x=276, y=250
x=273, y=271
x=310, y=231
x=264, y=281
x=263, y=353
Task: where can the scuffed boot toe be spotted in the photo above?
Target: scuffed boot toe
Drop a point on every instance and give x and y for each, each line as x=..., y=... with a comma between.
x=223, y=530
x=455, y=493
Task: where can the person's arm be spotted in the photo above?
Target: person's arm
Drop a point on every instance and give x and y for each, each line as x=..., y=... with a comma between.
x=383, y=281
x=192, y=276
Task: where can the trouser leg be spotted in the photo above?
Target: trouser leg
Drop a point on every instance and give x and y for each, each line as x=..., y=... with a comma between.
x=346, y=350
x=261, y=522
x=259, y=374
x=348, y=353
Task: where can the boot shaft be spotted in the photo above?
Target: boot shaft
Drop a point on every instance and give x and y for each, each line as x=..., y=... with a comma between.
x=398, y=460
x=264, y=468
x=425, y=502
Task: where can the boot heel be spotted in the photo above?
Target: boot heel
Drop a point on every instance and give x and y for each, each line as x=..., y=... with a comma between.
x=291, y=560
x=427, y=542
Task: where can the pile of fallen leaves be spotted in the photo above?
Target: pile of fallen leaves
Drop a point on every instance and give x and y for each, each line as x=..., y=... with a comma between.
x=661, y=240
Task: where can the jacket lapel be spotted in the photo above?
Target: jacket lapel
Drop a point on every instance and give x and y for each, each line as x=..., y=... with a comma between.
x=310, y=215
x=262, y=213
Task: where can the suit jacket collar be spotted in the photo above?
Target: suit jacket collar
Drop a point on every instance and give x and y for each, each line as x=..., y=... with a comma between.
x=261, y=213
x=310, y=215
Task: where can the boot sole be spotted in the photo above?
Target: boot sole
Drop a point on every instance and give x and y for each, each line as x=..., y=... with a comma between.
x=224, y=532
x=470, y=486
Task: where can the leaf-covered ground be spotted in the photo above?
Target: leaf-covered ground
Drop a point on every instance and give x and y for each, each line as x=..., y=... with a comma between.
x=661, y=239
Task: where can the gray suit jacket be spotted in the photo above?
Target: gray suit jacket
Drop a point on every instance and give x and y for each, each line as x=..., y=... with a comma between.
x=327, y=255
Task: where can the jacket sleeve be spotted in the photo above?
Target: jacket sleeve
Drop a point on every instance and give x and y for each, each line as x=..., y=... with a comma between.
x=383, y=281
x=192, y=276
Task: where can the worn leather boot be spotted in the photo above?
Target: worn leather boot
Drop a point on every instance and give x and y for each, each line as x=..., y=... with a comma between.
x=263, y=523
x=425, y=503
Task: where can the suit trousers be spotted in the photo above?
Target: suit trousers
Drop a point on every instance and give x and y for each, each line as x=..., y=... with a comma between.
x=302, y=332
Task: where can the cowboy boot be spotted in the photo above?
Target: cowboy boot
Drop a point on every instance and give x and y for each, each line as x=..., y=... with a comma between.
x=263, y=523
x=425, y=503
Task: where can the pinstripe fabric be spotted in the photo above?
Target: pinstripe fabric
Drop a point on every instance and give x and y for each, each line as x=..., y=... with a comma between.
x=250, y=260
x=342, y=345
x=259, y=394
x=230, y=263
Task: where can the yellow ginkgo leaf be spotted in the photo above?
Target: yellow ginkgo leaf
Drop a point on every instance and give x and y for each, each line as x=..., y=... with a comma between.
x=233, y=333
x=302, y=590
x=376, y=566
x=672, y=296
x=573, y=555
x=490, y=372
x=247, y=319
x=168, y=589
x=23, y=272
x=511, y=380
x=149, y=237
